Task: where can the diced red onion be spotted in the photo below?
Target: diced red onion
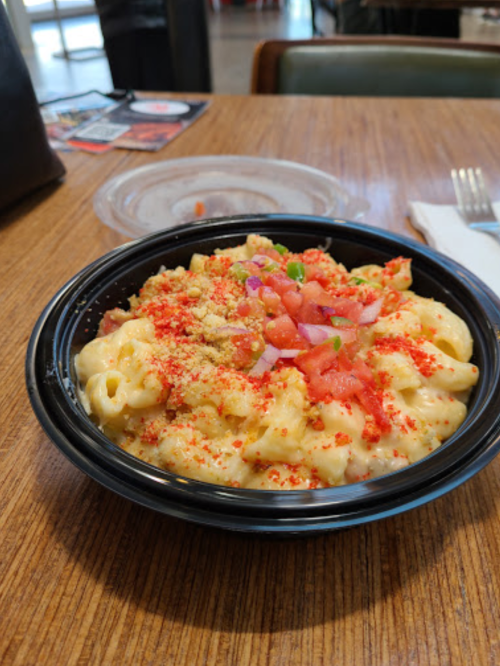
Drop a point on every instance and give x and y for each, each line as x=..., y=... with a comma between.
x=252, y=285
x=316, y=334
x=345, y=334
x=261, y=259
x=290, y=353
x=269, y=357
x=371, y=312
x=328, y=311
x=248, y=265
x=269, y=291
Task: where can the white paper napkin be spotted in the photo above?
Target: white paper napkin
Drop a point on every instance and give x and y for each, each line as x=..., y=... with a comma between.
x=446, y=231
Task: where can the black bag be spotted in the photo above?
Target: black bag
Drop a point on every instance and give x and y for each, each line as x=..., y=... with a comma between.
x=27, y=162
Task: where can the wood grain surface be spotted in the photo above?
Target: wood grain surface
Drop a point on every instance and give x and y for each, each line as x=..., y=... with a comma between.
x=87, y=577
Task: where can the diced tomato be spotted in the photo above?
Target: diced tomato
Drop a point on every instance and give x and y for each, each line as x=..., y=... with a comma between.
x=373, y=405
x=345, y=364
x=310, y=313
x=315, y=298
x=280, y=283
x=314, y=292
x=112, y=321
x=327, y=378
x=332, y=375
x=318, y=387
x=316, y=274
x=270, y=252
x=272, y=301
x=243, y=354
x=251, y=268
x=363, y=372
x=283, y=334
x=352, y=348
x=244, y=308
x=344, y=307
x=199, y=209
x=317, y=360
x=338, y=385
x=251, y=307
x=292, y=300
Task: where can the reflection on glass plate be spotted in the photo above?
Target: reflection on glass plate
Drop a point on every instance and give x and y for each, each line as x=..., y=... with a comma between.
x=165, y=194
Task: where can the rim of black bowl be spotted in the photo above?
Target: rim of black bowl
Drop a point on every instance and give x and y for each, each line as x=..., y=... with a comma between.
x=71, y=317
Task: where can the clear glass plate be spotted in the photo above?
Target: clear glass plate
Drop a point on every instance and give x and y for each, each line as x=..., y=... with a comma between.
x=173, y=192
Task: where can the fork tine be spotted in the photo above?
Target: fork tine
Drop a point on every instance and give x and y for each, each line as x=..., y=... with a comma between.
x=458, y=189
x=467, y=190
x=483, y=196
x=474, y=192
x=464, y=191
x=473, y=200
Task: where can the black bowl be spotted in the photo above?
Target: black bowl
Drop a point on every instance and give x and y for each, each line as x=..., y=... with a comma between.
x=71, y=319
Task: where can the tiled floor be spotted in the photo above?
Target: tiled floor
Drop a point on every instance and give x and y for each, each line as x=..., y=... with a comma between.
x=233, y=35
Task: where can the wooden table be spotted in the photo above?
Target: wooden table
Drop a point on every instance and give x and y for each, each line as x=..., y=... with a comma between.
x=87, y=577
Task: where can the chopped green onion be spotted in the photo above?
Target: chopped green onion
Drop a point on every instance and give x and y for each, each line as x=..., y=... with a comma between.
x=271, y=267
x=296, y=270
x=280, y=248
x=341, y=321
x=359, y=280
x=337, y=342
x=239, y=272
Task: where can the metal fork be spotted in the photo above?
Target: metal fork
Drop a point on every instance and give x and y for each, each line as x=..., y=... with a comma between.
x=474, y=202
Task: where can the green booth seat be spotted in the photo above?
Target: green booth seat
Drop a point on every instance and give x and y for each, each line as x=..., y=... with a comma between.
x=404, y=67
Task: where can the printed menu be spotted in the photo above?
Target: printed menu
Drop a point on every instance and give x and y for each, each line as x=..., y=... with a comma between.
x=99, y=125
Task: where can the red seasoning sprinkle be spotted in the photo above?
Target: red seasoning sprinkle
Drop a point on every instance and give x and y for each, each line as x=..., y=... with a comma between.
x=423, y=361
x=342, y=439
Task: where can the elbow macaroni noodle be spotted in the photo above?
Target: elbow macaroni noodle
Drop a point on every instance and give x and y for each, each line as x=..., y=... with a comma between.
x=229, y=373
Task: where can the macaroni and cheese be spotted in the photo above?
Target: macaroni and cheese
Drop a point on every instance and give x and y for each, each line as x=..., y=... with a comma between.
x=263, y=368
